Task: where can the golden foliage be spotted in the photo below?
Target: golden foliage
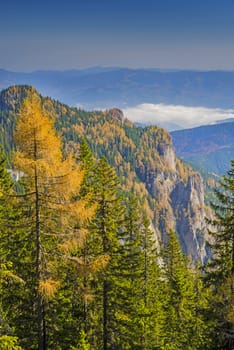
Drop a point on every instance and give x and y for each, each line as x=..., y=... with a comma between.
x=39, y=152
x=80, y=210
x=79, y=129
x=34, y=129
x=55, y=181
x=99, y=263
x=39, y=149
x=48, y=288
x=75, y=242
x=90, y=265
x=87, y=296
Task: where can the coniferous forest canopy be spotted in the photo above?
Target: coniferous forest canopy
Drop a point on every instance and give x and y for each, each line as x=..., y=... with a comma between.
x=82, y=265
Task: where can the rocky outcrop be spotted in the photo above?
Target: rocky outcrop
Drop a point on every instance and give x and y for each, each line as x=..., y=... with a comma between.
x=187, y=201
x=116, y=113
x=11, y=98
x=179, y=194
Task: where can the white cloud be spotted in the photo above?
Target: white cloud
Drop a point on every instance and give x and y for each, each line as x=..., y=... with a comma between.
x=169, y=116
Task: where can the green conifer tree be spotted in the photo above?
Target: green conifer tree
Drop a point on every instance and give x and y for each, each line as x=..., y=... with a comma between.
x=129, y=279
x=179, y=298
x=7, y=273
x=106, y=227
x=153, y=290
x=220, y=269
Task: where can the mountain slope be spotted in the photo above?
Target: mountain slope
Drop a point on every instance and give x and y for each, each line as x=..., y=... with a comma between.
x=208, y=147
x=144, y=158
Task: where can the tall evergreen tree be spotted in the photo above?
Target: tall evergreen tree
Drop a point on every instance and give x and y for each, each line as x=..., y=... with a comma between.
x=153, y=290
x=220, y=269
x=106, y=226
x=129, y=278
x=7, y=274
x=138, y=279
x=179, y=298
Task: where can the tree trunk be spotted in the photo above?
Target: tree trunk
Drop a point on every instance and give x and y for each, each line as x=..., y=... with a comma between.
x=105, y=322
x=40, y=301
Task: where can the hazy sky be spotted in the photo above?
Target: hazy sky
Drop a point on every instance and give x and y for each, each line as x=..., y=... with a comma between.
x=197, y=34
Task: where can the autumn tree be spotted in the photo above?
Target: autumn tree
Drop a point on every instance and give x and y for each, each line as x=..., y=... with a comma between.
x=51, y=183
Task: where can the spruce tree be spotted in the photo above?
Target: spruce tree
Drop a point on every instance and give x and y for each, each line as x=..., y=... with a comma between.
x=8, y=215
x=138, y=279
x=153, y=290
x=179, y=297
x=220, y=269
x=106, y=226
x=129, y=278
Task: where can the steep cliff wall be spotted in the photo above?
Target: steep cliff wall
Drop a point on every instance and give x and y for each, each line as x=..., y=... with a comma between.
x=179, y=193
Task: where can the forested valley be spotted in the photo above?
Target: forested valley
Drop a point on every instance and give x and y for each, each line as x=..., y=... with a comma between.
x=81, y=265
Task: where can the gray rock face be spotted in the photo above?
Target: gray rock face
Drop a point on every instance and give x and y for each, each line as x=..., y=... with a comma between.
x=180, y=204
x=168, y=154
x=187, y=200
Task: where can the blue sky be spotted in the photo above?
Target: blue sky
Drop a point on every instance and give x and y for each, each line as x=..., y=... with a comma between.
x=69, y=34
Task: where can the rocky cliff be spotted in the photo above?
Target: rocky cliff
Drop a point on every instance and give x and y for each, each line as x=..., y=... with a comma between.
x=179, y=201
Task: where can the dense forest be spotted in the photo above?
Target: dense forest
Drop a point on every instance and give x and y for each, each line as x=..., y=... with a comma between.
x=80, y=266
x=172, y=193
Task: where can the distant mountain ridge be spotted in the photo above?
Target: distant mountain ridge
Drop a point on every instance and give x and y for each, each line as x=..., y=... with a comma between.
x=228, y=120
x=98, y=87
x=209, y=147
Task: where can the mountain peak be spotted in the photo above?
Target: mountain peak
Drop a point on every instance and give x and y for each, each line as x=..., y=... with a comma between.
x=12, y=97
x=116, y=113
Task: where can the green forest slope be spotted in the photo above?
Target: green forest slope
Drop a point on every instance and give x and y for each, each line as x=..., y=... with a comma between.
x=144, y=158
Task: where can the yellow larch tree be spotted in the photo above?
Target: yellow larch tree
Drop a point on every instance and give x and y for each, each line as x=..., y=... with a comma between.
x=52, y=184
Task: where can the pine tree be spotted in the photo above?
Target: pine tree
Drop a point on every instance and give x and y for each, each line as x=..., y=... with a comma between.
x=153, y=290
x=129, y=273
x=220, y=269
x=7, y=217
x=106, y=226
x=179, y=298
x=138, y=279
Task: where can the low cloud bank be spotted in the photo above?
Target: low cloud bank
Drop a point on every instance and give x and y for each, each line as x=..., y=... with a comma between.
x=174, y=117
